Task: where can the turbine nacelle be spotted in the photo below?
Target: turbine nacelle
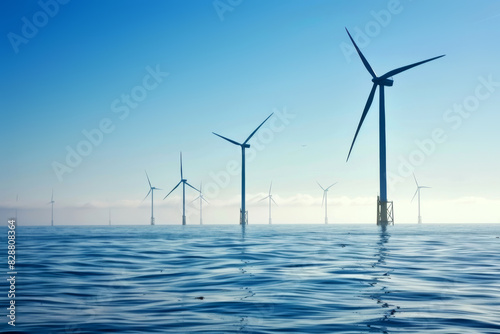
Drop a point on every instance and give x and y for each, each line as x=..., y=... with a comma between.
x=245, y=145
x=383, y=81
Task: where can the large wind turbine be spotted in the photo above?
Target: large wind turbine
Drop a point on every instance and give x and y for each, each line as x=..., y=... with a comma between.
x=52, y=211
x=243, y=212
x=270, y=204
x=325, y=199
x=418, y=191
x=184, y=182
x=201, y=198
x=152, y=191
x=384, y=215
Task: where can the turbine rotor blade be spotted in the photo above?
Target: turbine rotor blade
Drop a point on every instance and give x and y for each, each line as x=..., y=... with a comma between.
x=363, y=59
x=414, y=195
x=195, y=199
x=331, y=185
x=150, y=186
x=415, y=179
x=323, y=201
x=193, y=187
x=270, y=187
x=147, y=194
x=256, y=129
x=203, y=198
x=407, y=67
x=229, y=140
x=173, y=189
x=264, y=198
x=365, y=111
x=424, y=187
x=181, y=166
x=320, y=186
x=272, y=199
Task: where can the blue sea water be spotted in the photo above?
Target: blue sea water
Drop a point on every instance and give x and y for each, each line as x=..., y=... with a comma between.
x=260, y=279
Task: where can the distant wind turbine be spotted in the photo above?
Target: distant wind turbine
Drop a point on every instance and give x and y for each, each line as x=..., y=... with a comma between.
x=418, y=191
x=243, y=212
x=270, y=196
x=52, y=203
x=201, y=198
x=152, y=192
x=385, y=214
x=184, y=182
x=325, y=199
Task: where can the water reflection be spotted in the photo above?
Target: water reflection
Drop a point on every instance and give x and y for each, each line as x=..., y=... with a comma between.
x=381, y=275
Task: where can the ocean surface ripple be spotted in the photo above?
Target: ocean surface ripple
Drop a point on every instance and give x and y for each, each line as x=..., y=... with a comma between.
x=259, y=279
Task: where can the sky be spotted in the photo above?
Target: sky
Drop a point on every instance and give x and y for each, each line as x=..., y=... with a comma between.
x=95, y=93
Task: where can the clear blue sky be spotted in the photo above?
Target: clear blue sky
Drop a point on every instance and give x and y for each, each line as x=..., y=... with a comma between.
x=69, y=68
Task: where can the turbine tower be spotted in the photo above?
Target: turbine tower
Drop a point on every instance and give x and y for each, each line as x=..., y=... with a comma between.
x=201, y=198
x=325, y=199
x=152, y=191
x=270, y=204
x=184, y=182
x=385, y=213
x=52, y=211
x=243, y=212
x=418, y=191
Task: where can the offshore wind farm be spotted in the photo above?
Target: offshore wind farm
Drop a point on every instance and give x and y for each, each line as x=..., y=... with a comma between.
x=319, y=217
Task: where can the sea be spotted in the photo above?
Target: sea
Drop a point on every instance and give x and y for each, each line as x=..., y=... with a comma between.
x=336, y=278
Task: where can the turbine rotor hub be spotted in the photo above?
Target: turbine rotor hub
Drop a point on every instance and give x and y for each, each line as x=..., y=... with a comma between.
x=384, y=82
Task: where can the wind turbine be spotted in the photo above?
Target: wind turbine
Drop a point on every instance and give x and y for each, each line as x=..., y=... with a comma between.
x=201, y=198
x=384, y=208
x=325, y=199
x=243, y=212
x=184, y=182
x=52, y=202
x=418, y=191
x=270, y=199
x=152, y=191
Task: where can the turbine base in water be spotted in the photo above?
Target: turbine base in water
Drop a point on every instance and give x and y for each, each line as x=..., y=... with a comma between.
x=385, y=212
x=243, y=218
x=152, y=221
x=183, y=220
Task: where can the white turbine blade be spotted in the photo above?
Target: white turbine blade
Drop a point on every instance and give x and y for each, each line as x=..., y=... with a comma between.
x=246, y=141
x=203, y=198
x=52, y=196
x=181, y=166
x=264, y=198
x=173, y=189
x=323, y=201
x=270, y=187
x=424, y=187
x=193, y=187
x=320, y=186
x=195, y=199
x=272, y=199
x=415, y=179
x=331, y=185
x=414, y=195
x=150, y=186
x=150, y=189
x=229, y=140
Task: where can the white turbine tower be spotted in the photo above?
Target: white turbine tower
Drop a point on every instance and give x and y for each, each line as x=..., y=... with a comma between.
x=201, y=198
x=270, y=196
x=52, y=211
x=152, y=192
x=243, y=212
x=325, y=199
x=418, y=192
x=184, y=182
